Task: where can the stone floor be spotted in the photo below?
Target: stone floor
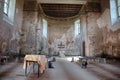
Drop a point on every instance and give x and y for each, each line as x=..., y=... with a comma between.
x=63, y=70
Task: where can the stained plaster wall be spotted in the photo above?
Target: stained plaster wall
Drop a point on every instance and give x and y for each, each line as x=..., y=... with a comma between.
x=81, y=38
x=90, y=36
x=94, y=36
x=30, y=28
x=61, y=31
x=10, y=33
x=28, y=32
x=111, y=33
x=102, y=36
x=39, y=38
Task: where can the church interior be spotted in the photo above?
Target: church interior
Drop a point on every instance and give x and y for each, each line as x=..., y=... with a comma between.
x=59, y=39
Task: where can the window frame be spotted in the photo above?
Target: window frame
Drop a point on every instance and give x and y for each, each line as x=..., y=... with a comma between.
x=115, y=18
x=9, y=17
x=117, y=7
x=77, y=27
x=45, y=28
x=7, y=6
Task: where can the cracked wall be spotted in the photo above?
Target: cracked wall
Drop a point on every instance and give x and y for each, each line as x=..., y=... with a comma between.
x=94, y=35
x=111, y=33
x=62, y=32
x=29, y=26
x=10, y=33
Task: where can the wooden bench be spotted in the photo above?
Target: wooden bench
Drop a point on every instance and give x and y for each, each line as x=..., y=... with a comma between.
x=93, y=59
x=101, y=60
x=3, y=59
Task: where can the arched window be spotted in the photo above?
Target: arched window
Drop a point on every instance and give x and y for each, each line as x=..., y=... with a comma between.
x=44, y=28
x=115, y=11
x=77, y=27
x=9, y=10
x=118, y=7
x=6, y=6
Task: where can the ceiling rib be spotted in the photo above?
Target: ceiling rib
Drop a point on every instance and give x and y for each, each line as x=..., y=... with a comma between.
x=61, y=10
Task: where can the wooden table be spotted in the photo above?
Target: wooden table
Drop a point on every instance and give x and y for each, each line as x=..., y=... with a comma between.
x=40, y=60
x=33, y=62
